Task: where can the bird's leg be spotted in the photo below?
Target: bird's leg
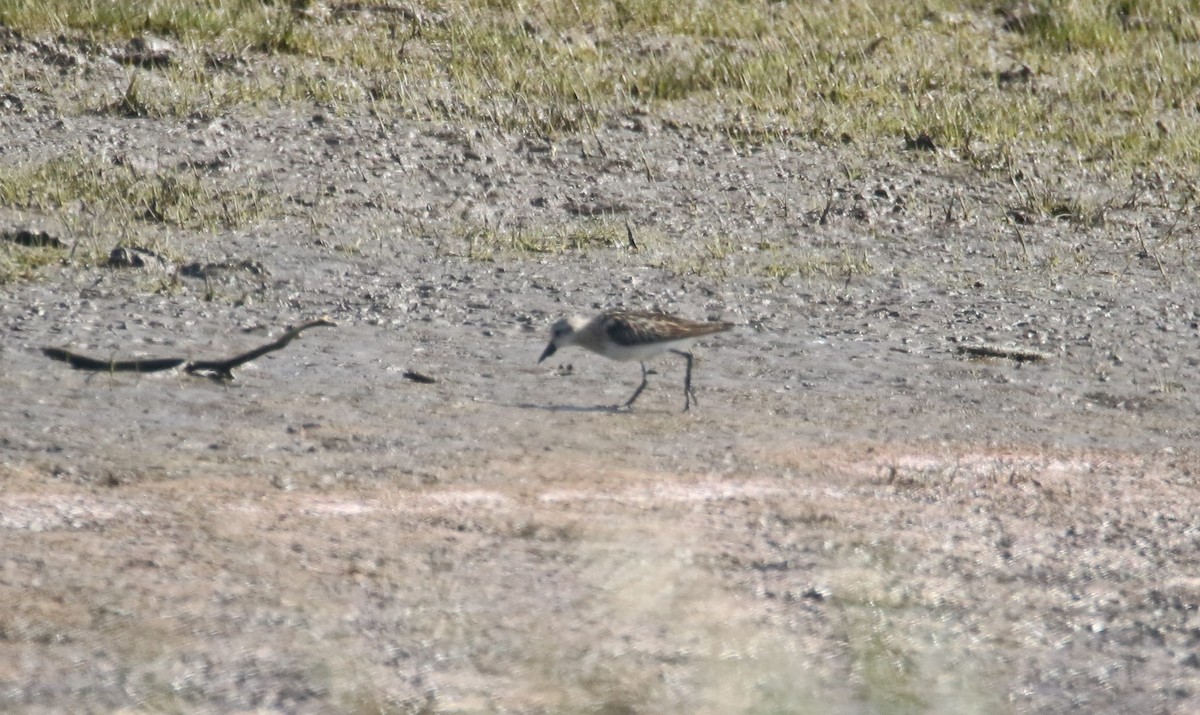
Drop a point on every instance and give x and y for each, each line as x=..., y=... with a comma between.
x=688, y=396
x=640, y=387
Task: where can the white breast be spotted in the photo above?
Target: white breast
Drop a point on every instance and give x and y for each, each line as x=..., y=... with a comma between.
x=645, y=351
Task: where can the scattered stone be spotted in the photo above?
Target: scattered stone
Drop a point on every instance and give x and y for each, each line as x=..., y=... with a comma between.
x=1002, y=351
x=135, y=257
x=196, y=269
x=921, y=142
x=31, y=239
x=148, y=52
x=595, y=208
x=11, y=103
x=1013, y=76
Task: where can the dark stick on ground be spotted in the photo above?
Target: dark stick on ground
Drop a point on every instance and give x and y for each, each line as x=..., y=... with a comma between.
x=216, y=369
x=83, y=362
x=223, y=369
x=1000, y=351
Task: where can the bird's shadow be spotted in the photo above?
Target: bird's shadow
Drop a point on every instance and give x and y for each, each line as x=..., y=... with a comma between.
x=568, y=408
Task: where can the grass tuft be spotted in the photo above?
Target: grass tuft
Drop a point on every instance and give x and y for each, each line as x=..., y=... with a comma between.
x=182, y=199
x=1112, y=82
x=485, y=243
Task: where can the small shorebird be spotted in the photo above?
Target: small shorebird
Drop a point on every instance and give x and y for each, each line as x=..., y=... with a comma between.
x=621, y=335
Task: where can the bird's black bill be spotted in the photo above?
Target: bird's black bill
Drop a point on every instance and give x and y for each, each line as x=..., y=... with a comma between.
x=550, y=350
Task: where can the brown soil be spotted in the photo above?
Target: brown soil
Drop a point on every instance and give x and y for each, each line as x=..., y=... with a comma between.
x=858, y=517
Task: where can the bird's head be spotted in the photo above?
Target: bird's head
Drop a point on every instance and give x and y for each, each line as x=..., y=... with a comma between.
x=562, y=334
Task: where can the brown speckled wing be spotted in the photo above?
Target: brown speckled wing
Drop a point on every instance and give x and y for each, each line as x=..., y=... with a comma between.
x=631, y=329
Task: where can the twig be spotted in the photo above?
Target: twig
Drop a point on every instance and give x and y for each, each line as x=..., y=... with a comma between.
x=999, y=351
x=223, y=369
x=83, y=362
x=825, y=212
x=599, y=144
x=646, y=164
x=418, y=377
x=1021, y=240
x=1152, y=254
x=216, y=369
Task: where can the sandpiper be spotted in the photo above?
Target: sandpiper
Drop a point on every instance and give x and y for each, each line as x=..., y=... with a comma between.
x=622, y=335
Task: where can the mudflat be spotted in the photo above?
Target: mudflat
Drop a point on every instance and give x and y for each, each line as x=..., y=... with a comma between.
x=944, y=462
